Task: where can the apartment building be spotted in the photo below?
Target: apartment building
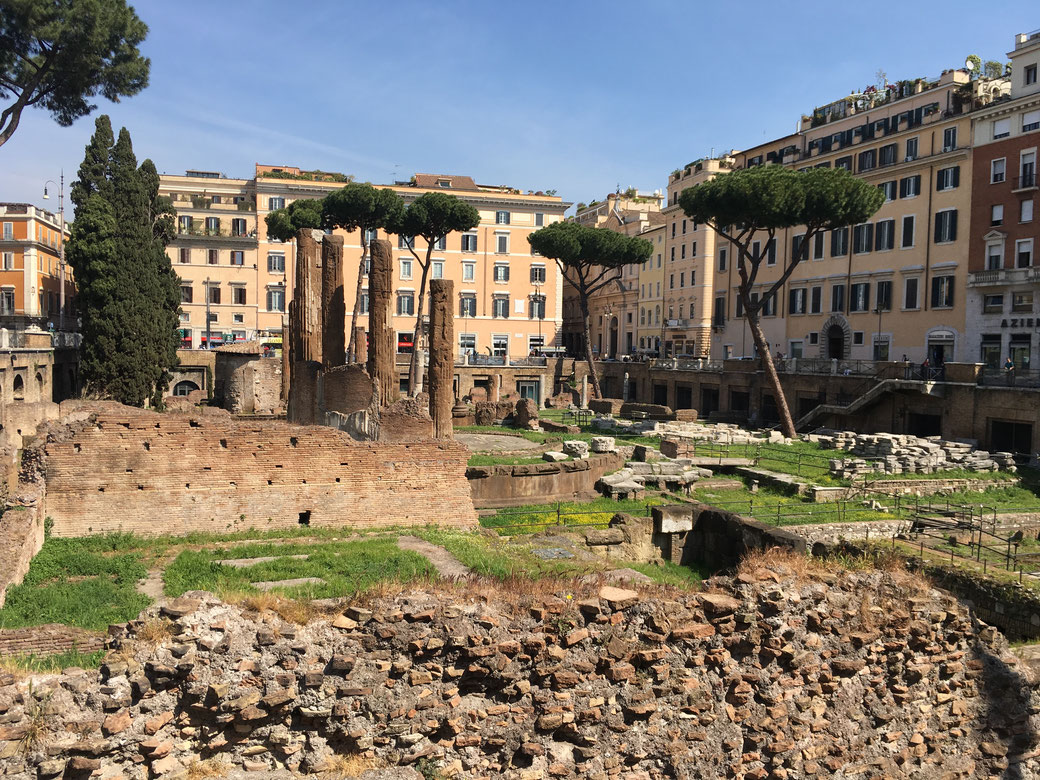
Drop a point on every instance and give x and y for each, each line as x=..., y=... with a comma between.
x=649, y=333
x=1004, y=275
x=892, y=286
x=31, y=273
x=237, y=280
x=615, y=309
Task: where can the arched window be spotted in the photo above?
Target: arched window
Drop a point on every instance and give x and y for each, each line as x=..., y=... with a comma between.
x=19, y=388
x=185, y=387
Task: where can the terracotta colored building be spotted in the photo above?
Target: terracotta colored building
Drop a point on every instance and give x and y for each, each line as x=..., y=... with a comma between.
x=31, y=270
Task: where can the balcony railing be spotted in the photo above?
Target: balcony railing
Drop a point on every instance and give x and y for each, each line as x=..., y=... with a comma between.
x=678, y=323
x=204, y=232
x=1003, y=276
x=997, y=377
x=1025, y=181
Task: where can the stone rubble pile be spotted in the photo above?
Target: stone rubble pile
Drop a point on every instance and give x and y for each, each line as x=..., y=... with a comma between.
x=765, y=675
x=678, y=474
x=720, y=433
x=904, y=454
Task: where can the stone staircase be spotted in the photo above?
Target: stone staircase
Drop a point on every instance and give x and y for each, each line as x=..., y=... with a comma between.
x=877, y=389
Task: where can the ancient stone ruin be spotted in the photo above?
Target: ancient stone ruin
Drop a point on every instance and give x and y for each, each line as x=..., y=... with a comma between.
x=894, y=453
x=769, y=674
x=363, y=401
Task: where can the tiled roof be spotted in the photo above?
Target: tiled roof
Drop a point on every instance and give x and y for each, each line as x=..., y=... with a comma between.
x=430, y=181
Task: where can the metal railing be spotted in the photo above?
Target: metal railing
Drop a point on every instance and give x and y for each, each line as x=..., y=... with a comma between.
x=998, y=377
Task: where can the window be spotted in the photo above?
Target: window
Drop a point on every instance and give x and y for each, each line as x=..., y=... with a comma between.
x=1031, y=119
x=502, y=243
x=867, y=160
x=467, y=343
x=437, y=269
x=405, y=303
x=857, y=337
x=406, y=269
x=469, y=272
x=501, y=272
x=908, y=231
x=911, y=149
x=276, y=264
x=1024, y=253
x=238, y=227
x=840, y=242
x=740, y=307
x=537, y=310
x=947, y=178
x=994, y=256
x=7, y=302
x=818, y=242
x=719, y=316
x=371, y=234
x=859, y=297
x=501, y=217
x=1001, y=128
x=213, y=226
x=993, y=304
x=499, y=345
x=671, y=281
x=275, y=203
x=682, y=252
x=276, y=299
x=406, y=242
x=238, y=296
x=723, y=257
x=756, y=250
x=1022, y=301
x=237, y=257
x=816, y=300
x=1025, y=211
x=363, y=304
x=884, y=296
x=537, y=274
x=9, y=230
x=838, y=298
x=468, y=305
x=1029, y=75
x=769, y=306
x=885, y=237
x=184, y=254
x=862, y=238
x=946, y=226
x=212, y=317
x=796, y=302
x=887, y=154
x=184, y=225
x=186, y=293
x=500, y=306
x=682, y=279
x=539, y=219
x=469, y=242
x=1027, y=166
x=889, y=188
x=910, y=293
x=213, y=292
x=997, y=170
x=949, y=139
x=440, y=244
x=996, y=214
x=910, y=186
x=844, y=162
x=796, y=248
x=212, y=256
x=942, y=292
x=990, y=352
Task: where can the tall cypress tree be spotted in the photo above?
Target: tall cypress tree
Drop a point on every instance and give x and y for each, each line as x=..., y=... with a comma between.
x=128, y=292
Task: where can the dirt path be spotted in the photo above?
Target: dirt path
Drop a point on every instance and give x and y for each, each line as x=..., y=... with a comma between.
x=152, y=585
x=447, y=565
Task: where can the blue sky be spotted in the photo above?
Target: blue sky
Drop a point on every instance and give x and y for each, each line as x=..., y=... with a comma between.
x=573, y=96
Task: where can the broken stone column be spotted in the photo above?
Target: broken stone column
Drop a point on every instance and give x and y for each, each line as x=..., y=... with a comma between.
x=381, y=365
x=305, y=329
x=442, y=356
x=333, y=306
x=585, y=392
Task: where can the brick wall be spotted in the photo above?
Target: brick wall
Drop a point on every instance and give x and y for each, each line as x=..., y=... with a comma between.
x=127, y=469
x=49, y=639
x=21, y=537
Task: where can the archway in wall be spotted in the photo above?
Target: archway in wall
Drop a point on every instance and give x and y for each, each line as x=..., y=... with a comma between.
x=19, y=388
x=185, y=387
x=39, y=385
x=835, y=338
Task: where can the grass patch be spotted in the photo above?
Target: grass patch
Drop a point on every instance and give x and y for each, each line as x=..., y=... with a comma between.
x=774, y=507
x=347, y=568
x=539, y=517
x=86, y=582
x=502, y=460
x=674, y=574
x=492, y=557
x=55, y=662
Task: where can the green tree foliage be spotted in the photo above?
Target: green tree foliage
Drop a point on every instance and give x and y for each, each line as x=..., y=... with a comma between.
x=361, y=207
x=755, y=203
x=282, y=224
x=431, y=216
x=590, y=259
x=129, y=295
x=58, y=54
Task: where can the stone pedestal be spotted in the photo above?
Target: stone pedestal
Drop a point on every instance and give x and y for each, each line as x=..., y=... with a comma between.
x=442, y=356
x=381, y=366
x=333, y=306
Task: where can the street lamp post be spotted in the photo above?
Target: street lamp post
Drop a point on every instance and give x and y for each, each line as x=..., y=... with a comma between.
x=209, y=338
x=61, y=245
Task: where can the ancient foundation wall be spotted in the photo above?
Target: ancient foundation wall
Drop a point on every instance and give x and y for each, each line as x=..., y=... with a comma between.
x=49, y=639
x=502, y=486
x=21, y=537
x=125, y=469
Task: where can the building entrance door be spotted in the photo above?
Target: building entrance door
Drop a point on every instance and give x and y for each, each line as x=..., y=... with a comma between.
x=835, y=343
